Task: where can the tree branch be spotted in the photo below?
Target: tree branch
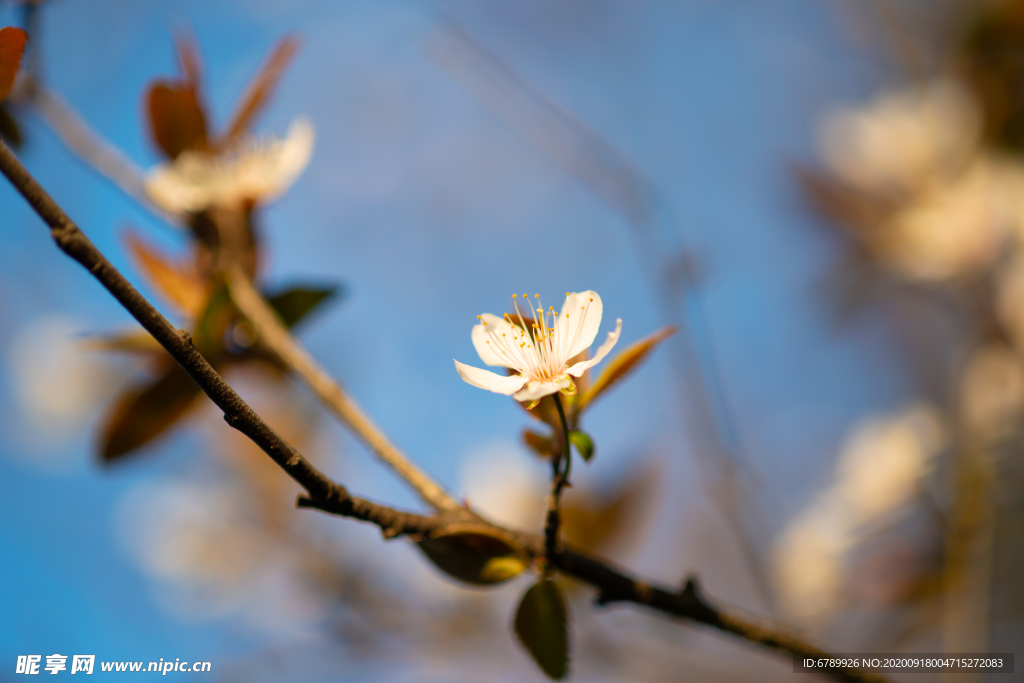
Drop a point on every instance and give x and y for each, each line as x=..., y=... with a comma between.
x=324, y=494
x=272, y=332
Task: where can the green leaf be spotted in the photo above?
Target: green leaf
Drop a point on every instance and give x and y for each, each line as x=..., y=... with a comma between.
x=296, y=303
x=212, y=323
x=622, y=364
x=541, y=624
x=583, y=443
x=475, y=556
x=146, y=412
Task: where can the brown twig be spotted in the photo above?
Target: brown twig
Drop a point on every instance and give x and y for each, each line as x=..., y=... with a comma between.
x=324, y=494
x=275, y=336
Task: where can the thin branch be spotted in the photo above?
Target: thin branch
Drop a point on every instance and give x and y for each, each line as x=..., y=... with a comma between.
x=272, y=332
x=324, y=494
x=614, y=585
x=87, y=145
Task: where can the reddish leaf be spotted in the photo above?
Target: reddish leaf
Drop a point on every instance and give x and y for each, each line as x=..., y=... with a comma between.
x=260, y=90
x=178, y=286
x=177, y=122
x=12, y=45
x=146, y=412
x=622, y=364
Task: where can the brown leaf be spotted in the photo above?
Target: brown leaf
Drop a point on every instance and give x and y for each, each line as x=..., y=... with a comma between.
x=622, y=364
x=146, y=412
x=542, y=445
x=260, y=90
x=177, y=121
x=598, y=520
x=12, y=46
x=179, y=287
x=134, y=341
x=858, y=213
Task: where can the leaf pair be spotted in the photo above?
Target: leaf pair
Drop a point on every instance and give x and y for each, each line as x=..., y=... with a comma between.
x=178, y=116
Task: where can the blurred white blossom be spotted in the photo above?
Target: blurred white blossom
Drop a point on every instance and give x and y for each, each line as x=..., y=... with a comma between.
x=902, y=138
x=879, y=470
x=254, y=170
x=992, y=392
x=505, y=484
x=211, y=557
x=951, y=206
x=58, y=382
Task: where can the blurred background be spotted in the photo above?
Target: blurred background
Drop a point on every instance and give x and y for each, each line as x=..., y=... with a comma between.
x=826, y=197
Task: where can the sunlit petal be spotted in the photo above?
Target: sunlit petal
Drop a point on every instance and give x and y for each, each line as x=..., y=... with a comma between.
x=492, y=341
x=581, y=317
x=602, y=351
x=536, y=390
x=485, y=379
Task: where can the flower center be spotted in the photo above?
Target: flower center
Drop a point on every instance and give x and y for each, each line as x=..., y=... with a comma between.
x=538, y=349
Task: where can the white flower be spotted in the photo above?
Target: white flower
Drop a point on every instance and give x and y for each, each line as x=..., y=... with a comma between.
x=254, y=170
x=955, y=225
x=902, y=138
x=538, y=352
x=879, y=471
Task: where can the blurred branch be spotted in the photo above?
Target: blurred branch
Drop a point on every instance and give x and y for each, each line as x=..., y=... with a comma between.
x=276, y=336
x=326, y=495
x=85, y=143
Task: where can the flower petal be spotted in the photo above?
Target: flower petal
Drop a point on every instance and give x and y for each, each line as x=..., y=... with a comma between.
x=189, y=183
x=485, y=379
x=580, y=320
x=265, y=174
x=537, y=390
x=602, y=351
x=491, y=350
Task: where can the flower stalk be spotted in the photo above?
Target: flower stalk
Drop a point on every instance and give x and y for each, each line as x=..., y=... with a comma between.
x=559, y=481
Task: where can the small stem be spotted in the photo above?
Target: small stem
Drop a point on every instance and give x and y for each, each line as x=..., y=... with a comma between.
x=559, y=480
